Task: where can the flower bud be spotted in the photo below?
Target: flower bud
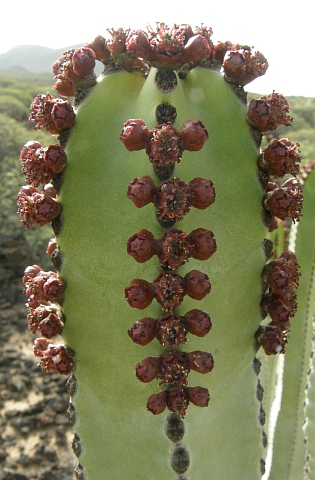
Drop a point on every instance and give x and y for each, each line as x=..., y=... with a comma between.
x=269, y=112
x=271, y=339
x=199, y=396
x=64, y=363
x=99, y=47
x=65, y=88
x=83, y=62
x=197, y=284
x=138, y=44
x=220, y=50
x=202, y=192
x=194, y=135
x=141, y=246
x=55, y=159
x=134, y=135
x=139, y=294
x=203, y=243
x=141, y=191
x=143, y=331
x=285, y=201
x=201, y=362
x=195, y=49
x=242, y=67
x=62, y=115
x=157, y=402
x=280, y=157
x=148, y=369
x=52, y=114
x=198, y=322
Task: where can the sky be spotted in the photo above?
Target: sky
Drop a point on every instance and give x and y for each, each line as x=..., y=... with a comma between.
x=279, y=31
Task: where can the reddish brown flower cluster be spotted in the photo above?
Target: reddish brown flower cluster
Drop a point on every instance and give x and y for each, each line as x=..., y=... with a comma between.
x=241, y=66
x=47, y=319
x=178, y=48
x=53, y=358
x=100, y=49
x=38, y=208
x=52, y=114
x=164, y=144
x=45, y=291
x=172, y=201
x=177, y=400
x=163, y=48
x=172, y=370
x=170, y=330
x=173, y=248
x=285, y=201
x=74, y=70
x=269, y=112
x=173, y=198
x=280, y=157
x=279, y=279
x=42, y=287
x=281, y=200
x=168, y=288
x=41, y=165
x=170, y=48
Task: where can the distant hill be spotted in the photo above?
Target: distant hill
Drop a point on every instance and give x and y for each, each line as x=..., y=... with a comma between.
x=31, y=58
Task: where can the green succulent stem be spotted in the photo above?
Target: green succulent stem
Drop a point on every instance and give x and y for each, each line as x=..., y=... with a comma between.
x=116, y=434
x=290, y=432
x=98, y=220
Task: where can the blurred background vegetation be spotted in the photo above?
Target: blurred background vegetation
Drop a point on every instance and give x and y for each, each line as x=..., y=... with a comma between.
x=18, y=89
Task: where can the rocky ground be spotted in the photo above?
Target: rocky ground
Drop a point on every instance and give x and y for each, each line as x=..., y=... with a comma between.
x=35, y=432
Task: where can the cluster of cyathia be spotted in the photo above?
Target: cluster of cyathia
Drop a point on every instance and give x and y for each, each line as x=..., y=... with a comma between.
x=164, y=144
x=74, y=70
x=282, y=199
x=179, y=48
x=279, y=279
x=172, y=200
x=173, y=248
x=40, y=166
x=170, y=329
x=43, y=168
x=45, y=291
x=52, y=114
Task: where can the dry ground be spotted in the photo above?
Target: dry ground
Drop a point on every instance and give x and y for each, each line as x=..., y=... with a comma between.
x=35, y=432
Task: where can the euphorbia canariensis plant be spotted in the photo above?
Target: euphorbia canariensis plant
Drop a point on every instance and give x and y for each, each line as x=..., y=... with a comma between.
x=183, y=256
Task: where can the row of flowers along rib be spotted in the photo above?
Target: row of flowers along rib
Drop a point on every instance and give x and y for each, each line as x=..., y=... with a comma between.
x=41, y=166
x=172, y=200
x=282, y=201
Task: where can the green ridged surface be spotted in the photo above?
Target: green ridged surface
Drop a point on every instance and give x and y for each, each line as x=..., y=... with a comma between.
x=289, y=447
x=120, y=438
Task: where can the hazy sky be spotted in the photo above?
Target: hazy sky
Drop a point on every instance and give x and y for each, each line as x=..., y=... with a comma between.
x=281, y=32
